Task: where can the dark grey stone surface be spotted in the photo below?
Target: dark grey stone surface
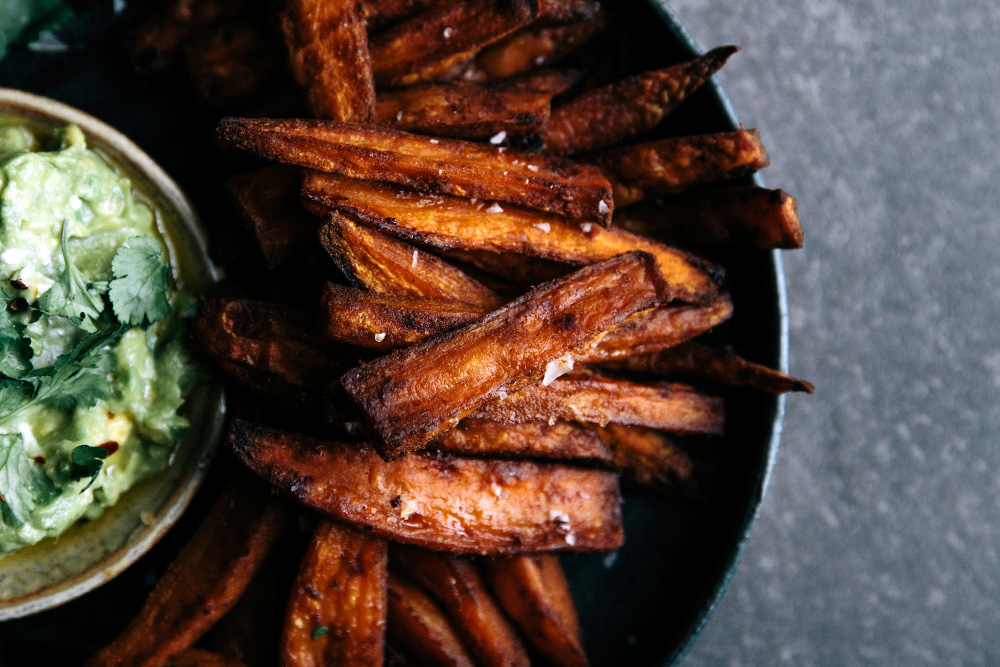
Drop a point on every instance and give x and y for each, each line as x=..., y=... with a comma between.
x=879, y=535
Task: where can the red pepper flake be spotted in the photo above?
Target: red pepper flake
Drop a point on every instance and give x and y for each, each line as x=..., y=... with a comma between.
x=110, y=447
x=2, y=499
x=40, y=460
x=18, y=305
x=111, y=415
x=17, y=283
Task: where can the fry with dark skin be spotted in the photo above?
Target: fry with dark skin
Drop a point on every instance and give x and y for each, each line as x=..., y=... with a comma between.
x=341, y=587
x=463, y=109
x=328, y=53
x=232, y=63
x=203, y=582
x=535, y=46
x=655, y=168
x=534, y=592
x=607, y=116
x=429, y=44
x=749, y=215
x=695, y=360
x=445, y=166
x=599, y=400
x=459, y=588
x=267, y=200
x=412, y=395
x=417, y=623
x=380, y=263
x=648, y=457
x=386, y=321
x=537, y=440
x=456, y=504
x=456, y=223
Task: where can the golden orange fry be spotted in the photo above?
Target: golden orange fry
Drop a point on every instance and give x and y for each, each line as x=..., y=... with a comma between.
x=417, y=623
x=541, y=440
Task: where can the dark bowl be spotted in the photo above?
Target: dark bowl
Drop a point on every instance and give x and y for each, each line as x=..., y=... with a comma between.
x=643, y=606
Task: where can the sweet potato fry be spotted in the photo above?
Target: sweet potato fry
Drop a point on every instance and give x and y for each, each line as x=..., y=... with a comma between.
x=446, y=166
x=599, y=400
x=267, y=200
x=539, y=440
x=649, y=458
x=203, y=582
x=412, y=395
x=231, y=64
x=693, y=359
x=534, y=592
x=421, y=628
x=464, y=109
x=660, y=167
x=388, y=322
x=328, y=52
x=462, y=505
x=749, y=215
x=269, y=347
x=429, y=44
x=656, y=329
x=551, y=81
x=197, y=657
x=535, y=46
x=341, y=589
x=609, y=115
x=560, y=12
x=456, y=223
x=373, y=260
x=459, y=588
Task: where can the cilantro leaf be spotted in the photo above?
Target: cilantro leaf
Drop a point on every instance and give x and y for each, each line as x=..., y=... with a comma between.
x=321, y=631
x=23, y=484
x=15, y=348
x=72, y=296
x=78, y=377
x=13, y=395
x=87, y=462
x=139, y=282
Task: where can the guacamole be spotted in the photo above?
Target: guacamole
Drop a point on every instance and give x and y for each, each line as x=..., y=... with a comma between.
x=93, y=365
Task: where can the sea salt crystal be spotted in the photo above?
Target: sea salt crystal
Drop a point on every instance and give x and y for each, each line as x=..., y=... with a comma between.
x=496, y=208
x=414, y=263
x=557, y=368
x=498, y=138
x=399, y=115
x=435, y=141
x=379, y=337
x=585, y=227
x=448, y=32
x=532, y=167
x=603, y=208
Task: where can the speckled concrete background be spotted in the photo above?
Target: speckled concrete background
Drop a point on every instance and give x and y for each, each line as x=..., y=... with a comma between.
x=879, y=535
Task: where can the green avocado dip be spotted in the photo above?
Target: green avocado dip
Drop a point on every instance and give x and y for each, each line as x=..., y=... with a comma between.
x=93, y=364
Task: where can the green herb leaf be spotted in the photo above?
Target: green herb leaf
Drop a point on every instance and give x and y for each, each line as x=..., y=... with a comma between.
x=87, y=462
x=13, y=395
x=139, y=282
x=72, y=296
x=15, y=348
x=318, y=632
x=23, y=484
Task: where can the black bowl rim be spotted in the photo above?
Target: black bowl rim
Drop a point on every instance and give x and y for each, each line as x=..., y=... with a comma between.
x=673, y=23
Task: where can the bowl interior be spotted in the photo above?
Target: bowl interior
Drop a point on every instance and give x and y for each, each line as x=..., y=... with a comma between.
x=57, y=570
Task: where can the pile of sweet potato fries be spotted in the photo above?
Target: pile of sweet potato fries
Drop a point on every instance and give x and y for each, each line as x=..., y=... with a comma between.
x=522, y=281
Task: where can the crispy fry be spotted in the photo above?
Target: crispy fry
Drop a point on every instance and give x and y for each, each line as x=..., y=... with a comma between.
x=328, y=52
x=656, y=329
x=203, y=582
x=660, y=167
x=446, y=166
x=517, y=273
x=535, y=46
x=459, y=588
x=599, y=400
x=540, y=440
x=749, y=215
x=556, y=12
x=232, y=63
x=386, y=321
x=534, y=592
x=269, y=347
x=412, y=395
x=607, y=116
x=155, y=44
x=418, y=624
x=455, y=223
x=373, y=260
x=693, y=359
x=341, y=587
x=431, y=43
x=649, y=458
x=462, y=505
x=359, y=318
x=269, y=205
x=197, y=657
x=551, y=81
x=464, y=110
